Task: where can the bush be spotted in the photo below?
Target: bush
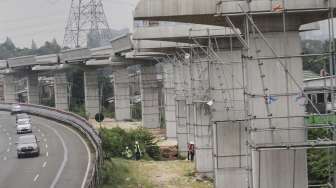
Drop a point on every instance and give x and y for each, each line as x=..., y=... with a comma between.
x=114, y=142
x=147, y=142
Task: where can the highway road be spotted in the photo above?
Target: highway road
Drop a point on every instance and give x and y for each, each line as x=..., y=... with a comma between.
x=64, y=161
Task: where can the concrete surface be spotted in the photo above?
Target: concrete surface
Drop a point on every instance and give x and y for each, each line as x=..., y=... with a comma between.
x=9, y=88
x=63, y=161
x=91, y=91
x=61, y=91
x=33, y=88
x=169, y=99
x=122, y=94
x=150, y=97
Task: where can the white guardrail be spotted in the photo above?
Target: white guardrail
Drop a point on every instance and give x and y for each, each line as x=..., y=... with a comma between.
x=75, y=121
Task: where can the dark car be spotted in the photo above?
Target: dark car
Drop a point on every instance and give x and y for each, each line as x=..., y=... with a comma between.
x=27, y=146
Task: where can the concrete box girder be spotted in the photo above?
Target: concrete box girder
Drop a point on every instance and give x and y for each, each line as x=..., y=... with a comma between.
x=204, y=12
x=21, y=61
x=179, y=33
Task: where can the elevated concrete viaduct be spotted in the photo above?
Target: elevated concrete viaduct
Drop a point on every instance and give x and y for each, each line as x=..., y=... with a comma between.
x=259, y=86
x=56, y=64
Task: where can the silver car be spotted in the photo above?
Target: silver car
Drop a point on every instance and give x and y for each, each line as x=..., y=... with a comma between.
x=22, y=116
x=23, y=126
x=16, y=108
x=27, y=145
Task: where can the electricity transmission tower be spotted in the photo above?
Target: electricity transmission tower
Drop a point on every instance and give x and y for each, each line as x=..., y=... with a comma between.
x=87, y=25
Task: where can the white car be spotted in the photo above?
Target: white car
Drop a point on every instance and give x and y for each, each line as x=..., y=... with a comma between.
x=23, y=126
x=16, y=109
x=22, y=117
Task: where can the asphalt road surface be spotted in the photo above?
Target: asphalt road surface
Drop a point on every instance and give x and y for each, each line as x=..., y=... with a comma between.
x=64, y=161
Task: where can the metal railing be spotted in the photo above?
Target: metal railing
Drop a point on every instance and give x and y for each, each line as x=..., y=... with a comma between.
x=76, y=121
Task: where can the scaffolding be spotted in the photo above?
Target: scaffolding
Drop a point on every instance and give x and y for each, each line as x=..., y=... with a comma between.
x=205, y=60
x=250, y=34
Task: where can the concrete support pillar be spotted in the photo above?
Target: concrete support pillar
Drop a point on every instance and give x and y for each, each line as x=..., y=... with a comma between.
x=122, y=94
x=185, y=130
x=33, y=88
x=150, y=97
x=91, y=91
x=169, y=100
x=9, y=88
x=182, y=129
x=61, y=91
x=228, y=115
x=2, y=94
x=200, y=90
x=277, y=168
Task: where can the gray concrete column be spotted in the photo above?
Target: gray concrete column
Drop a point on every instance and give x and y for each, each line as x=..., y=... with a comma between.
x=9, y=88
x=277, y=168
x=91, y=90
x=200, y=90
x=169, y=100
x=150, y=97
x=185, y=130
x=33, y=88
x=61, y=91
x=2, y=94
x=122, y=94
x=230, y=151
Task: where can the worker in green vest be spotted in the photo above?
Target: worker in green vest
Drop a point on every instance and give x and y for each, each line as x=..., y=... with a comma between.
x=137, y=151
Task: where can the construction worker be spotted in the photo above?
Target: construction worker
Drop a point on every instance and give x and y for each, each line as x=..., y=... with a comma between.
x=127, y=153
x=191, y=151
x=137, y=151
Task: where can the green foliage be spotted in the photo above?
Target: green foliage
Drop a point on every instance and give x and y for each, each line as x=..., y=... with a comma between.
x=114, y=173
x=320, y=160
x=315, y=63
x=318, y=166
x=114, y=142
x=147, y=142
x=80, y=110
x=108, y=113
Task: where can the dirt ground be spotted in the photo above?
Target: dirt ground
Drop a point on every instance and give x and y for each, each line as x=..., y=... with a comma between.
x=111, y=123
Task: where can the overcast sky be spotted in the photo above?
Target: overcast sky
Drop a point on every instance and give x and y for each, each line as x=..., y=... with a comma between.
x=42, y=20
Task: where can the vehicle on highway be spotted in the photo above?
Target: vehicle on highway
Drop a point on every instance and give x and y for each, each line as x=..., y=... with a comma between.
x=27, y=145
x=23, y=126
x=22, y=117
x=16, y=108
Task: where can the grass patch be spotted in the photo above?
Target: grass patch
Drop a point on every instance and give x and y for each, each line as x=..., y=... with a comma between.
x=121, y=173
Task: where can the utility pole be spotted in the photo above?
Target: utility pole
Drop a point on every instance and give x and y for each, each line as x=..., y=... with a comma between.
x=87, y=25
